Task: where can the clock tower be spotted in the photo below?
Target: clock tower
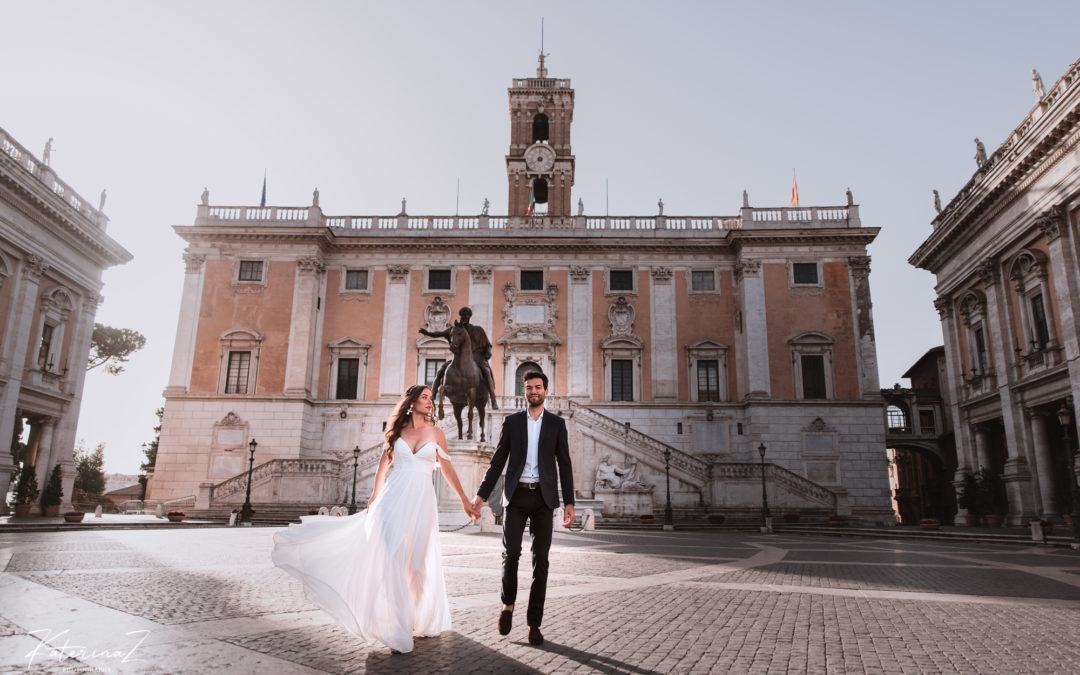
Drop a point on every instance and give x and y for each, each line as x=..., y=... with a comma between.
x=540, y=165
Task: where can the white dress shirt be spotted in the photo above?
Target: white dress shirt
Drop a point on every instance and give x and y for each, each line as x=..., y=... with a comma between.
x=531, y=473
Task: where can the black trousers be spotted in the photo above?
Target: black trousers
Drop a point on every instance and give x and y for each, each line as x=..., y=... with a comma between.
x=528, y=505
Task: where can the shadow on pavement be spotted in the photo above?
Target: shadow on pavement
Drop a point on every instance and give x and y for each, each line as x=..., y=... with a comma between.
x=449, y=652
x=602, y=664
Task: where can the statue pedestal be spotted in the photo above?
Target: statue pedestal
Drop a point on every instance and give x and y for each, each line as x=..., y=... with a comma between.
x=625, y=503
x=470, y=460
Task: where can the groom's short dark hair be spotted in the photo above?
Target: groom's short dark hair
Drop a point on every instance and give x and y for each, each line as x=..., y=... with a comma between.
x=535, y=375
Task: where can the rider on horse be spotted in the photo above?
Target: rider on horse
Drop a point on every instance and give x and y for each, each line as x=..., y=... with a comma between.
x=481, y=349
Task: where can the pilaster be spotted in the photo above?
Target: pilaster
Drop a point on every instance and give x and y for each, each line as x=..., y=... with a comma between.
x=580, y=322
x=187, y=325
x=395, y=320
x=1044, y=463
x=664, y=356
x=863, y=322
x=16, y=343
x=755, y=328
x=298, y=364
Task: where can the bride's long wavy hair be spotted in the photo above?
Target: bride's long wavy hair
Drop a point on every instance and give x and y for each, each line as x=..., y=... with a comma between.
x=400, y=416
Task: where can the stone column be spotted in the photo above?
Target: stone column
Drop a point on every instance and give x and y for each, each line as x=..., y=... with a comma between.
x=862, y=311
x=480, y=296
x=579, y=318
x=663, y=347
x=954, y=384
x=1063, y=266
x=67, y=426
x=1016, y=473
x=395, y=332
x=187, y=324
x=43, y=455
x=755, y=328
x=1044, y=466
x=18, y=334
x=982, y=447
x=298, y=364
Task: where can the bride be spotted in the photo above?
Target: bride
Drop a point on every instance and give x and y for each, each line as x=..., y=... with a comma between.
x=379, y=572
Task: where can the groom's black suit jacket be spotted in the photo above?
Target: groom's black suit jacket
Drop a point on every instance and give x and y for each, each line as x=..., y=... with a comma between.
x=553, y=450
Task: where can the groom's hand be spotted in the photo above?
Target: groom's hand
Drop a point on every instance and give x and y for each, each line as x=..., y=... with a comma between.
x=477, y=503
x=568, y=515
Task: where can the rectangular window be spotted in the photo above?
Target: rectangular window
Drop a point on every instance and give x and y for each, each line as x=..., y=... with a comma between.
x=348, y=376
x=813, y=376
x=622, y=380
x=239, y=367
x=1038, y=320
x=356, y=280
x=804, y=273
x=532, y=280
x=439, y=280
x=926, y=422
x=708, y=380
x=250, y=270
x=703, y=280
x=431, y=369
x=46, y=345
x=621, y=280
x=980, y=349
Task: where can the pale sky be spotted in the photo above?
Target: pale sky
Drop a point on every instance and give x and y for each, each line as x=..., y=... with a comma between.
x=371, y=102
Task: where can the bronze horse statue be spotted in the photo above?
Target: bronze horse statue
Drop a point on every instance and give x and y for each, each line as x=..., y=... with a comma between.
x=463, y=382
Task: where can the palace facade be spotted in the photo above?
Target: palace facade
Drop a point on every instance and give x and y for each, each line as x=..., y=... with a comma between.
x=1004, y=252
x=53, y=249
x=673, y=343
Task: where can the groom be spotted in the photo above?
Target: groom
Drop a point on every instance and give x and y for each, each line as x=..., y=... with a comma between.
x=534, y=442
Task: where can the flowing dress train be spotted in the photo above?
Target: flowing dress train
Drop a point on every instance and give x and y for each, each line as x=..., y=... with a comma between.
x=378, y=572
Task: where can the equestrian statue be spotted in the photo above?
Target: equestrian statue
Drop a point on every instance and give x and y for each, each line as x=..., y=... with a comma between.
x=466, y=378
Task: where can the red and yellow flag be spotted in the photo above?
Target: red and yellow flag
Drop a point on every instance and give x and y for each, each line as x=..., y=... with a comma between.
x=794, y=190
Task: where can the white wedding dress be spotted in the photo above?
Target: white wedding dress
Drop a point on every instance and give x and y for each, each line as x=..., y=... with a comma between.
x=378, y=572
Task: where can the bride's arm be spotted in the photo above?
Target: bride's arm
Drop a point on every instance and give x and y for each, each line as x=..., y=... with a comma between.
x=451, y=477
x=380, y=475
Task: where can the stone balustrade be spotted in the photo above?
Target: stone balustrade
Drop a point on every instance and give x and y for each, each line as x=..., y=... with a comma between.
x=48, y=178
x=574, y=226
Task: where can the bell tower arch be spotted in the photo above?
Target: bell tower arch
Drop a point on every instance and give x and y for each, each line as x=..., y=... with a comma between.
x=540, y=164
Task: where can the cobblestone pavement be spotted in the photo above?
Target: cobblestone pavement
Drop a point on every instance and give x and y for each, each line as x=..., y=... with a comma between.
x=209, y=600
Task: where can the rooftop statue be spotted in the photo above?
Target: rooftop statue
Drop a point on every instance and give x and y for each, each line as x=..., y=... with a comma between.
x=980, y=153
x=1037, y=84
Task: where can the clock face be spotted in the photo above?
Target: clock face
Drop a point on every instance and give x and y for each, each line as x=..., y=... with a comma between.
x=540, y=158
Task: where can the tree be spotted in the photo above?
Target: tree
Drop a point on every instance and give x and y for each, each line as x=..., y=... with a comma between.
x=54, y=489
x=89, y=471
x=150, y=452
x=111, y=347
x=26, y=486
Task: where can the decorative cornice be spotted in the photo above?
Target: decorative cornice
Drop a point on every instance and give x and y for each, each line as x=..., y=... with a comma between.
x=859, y=266
x=987, y=271
x=661, y=275
x=310, y=265
x=397, y=273
x=481, y=274
x=193, y=262
x=34, y=267
x=943, y=305
x=1052, y=222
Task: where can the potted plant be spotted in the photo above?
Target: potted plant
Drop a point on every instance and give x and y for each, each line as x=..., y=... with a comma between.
x=73, y=516
x=992, y=499
x=53, y=494
x=26, y=491
x=967, y=498
x=175, y=516
x=929, y=523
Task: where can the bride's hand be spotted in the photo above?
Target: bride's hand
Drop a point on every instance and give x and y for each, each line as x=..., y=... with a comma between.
x=469, y=510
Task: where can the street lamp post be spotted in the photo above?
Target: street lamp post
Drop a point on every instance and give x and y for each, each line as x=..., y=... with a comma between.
x=766, y=524
x=245, y=513
x=669, y=523
x=1065, y=418
x=356, y=461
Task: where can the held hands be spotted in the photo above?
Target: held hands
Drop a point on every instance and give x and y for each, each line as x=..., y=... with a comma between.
x=470, y=509
x=568, y=515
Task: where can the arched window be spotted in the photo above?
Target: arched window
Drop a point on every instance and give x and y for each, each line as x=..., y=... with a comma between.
x=519, y=385
x=897, y=419
x=540, y=128
x=540, y=191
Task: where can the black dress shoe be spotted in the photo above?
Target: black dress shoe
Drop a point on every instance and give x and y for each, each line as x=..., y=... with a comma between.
x=535, y=636
x=506, y=618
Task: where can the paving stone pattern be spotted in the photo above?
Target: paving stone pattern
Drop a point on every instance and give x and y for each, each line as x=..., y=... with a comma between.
x=625, y=602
